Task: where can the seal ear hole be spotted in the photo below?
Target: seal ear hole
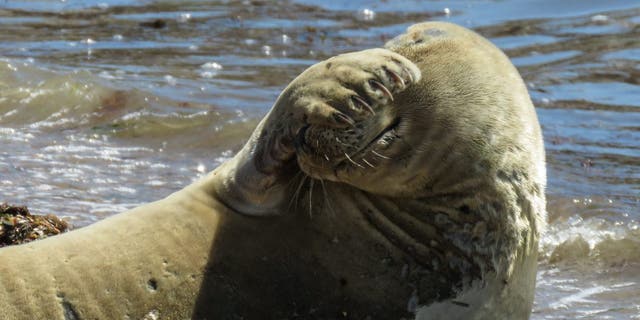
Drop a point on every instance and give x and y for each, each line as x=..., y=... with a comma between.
x=465, y=209
x=343, y=282
x=152, y=285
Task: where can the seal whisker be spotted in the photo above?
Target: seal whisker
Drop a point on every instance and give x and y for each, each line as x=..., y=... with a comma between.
x=368, y=163
x=380, y=155
x=311, y=198
x=351, y=160
x=296, y=195
x=340, y=142
x=326, y=197
x=295, y=178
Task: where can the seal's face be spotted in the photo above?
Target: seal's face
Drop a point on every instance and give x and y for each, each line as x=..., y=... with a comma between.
x=331, y=153
x=389, y=154
x=362, y=147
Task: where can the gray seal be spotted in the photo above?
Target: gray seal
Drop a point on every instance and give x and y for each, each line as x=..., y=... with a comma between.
x=399, y=182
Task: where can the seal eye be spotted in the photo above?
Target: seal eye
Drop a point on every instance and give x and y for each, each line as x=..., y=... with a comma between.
x=384, y=138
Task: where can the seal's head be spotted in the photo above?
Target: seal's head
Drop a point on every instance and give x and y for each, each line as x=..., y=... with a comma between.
x=467, y=116
x=355, y=133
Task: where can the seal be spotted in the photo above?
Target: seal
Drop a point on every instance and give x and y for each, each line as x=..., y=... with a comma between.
x=398, y=182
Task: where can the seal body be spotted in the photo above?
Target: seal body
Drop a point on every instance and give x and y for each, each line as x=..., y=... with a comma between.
x=400, y=182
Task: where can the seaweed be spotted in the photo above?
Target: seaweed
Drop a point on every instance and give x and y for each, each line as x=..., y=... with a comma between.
x=18, y=225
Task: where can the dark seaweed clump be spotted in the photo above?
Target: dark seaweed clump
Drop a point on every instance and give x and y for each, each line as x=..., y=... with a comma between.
x=18, y=225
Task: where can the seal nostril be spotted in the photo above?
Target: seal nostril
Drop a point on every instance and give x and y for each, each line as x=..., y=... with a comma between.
x=299, y=140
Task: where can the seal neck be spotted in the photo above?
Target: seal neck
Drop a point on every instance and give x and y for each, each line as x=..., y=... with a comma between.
x=464, y=238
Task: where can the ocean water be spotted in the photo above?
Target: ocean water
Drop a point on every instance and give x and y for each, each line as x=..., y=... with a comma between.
x=105, y=105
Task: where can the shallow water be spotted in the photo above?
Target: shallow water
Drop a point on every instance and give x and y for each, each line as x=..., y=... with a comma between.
x=105, y=105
